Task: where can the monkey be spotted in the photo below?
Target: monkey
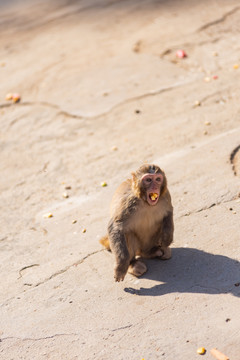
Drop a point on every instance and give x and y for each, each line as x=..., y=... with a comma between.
x=141, y=222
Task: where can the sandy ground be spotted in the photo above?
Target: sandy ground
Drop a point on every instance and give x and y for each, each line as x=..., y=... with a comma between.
x=102, y=91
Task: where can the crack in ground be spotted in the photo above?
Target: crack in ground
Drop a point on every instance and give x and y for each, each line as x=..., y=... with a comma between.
x=93, y=117
x=62, y=271
x=185, y=45
x=220, y=20
x=233, y=159
x=37, y=339
x=208, y=207
x=65, y=14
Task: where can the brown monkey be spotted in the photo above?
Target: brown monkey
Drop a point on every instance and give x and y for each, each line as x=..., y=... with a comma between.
x=141, y=224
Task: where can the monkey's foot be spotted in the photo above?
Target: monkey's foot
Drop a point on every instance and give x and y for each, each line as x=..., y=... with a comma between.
x=167, y=253
x=137, y=268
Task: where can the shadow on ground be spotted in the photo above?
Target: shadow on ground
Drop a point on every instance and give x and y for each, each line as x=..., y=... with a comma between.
x=192, y=271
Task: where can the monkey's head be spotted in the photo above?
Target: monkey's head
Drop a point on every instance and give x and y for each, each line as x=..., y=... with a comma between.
x=149, y=183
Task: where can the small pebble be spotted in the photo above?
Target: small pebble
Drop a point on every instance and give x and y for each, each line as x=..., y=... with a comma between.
x=181, y=54
x=103, y=184
x=114, y=148
x=65, y=195
x=48, y=215
x=68, y=187
x=215, y=77
x=84, y=230
x=197, y=103
x=206, y=79
x=207, y=123
x=74, y=221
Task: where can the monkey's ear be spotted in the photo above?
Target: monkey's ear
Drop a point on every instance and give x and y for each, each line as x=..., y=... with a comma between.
x=135, y=185
x=134, y=177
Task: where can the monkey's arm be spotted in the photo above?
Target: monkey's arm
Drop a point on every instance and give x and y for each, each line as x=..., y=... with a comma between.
x=119, y=248
x=167, y=229
x=159, y=244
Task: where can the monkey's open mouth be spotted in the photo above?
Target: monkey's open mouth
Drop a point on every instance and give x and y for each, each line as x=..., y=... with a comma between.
x=153, y=198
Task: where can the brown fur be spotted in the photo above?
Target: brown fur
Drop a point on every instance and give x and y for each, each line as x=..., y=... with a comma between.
x=137, y=228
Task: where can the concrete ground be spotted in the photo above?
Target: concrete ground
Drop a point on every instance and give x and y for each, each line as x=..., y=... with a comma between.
x=102, y=92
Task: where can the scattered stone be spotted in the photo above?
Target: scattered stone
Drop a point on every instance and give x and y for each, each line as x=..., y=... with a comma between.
x=197, y=103
x=137, y=46
x=65, y=195
x=84, y=230
x=103, y=184
x=114, y=148
x=74, y=221
x=181, y=54
x=48, y=215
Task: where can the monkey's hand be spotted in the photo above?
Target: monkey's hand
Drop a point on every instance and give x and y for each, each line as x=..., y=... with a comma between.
x=120, y=271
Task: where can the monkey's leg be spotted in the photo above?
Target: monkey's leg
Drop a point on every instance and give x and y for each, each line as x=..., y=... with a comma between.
x=167, y=253
x=155, y=252
x=137, y=267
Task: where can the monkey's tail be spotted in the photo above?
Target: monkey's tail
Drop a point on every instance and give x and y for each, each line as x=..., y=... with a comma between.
x=105, y=242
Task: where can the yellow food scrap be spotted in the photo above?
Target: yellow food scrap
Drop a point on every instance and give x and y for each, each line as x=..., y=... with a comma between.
x=236, y=66
x=8, y=97
x=154, y=196
x=16, y=97
x=103, y=184
x=201, y=351
x=48, y=215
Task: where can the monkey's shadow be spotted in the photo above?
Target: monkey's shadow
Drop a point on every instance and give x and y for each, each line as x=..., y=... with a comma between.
x=191, y=271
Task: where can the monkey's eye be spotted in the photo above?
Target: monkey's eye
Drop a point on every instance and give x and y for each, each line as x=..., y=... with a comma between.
x=148, y=180
x=158, y=179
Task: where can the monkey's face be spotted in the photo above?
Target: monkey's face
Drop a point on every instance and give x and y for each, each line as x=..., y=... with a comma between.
x=151, y=186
